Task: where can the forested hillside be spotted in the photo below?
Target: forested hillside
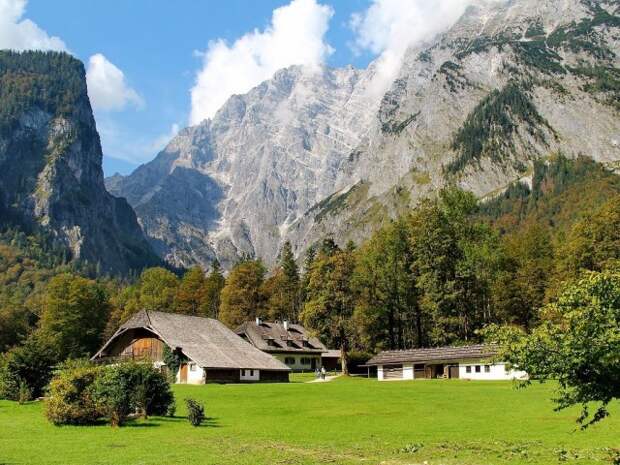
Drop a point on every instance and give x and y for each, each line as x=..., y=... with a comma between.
x=435, y=276
x=51, y=180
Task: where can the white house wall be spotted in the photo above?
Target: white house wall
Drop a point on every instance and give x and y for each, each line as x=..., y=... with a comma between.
x=195, y=374
x=408, y=371
x=298, y=366
x=497, y=372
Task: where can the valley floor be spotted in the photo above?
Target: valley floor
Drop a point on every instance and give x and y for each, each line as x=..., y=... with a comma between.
x=346, y=421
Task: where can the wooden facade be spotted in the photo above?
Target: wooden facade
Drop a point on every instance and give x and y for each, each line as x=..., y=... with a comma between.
x=145, y=348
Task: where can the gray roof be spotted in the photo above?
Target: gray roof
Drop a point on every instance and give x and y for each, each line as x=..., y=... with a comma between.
x=332, y=353
x=207, y=342
x=435, y=354
x=274, y=337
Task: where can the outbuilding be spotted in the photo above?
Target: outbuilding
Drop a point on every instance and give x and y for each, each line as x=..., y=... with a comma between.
x=207, y=350
x=474, y=362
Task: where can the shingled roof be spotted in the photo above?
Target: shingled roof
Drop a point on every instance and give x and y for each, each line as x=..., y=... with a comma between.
x=435, y=354
x=205, y=341
x=275, y=337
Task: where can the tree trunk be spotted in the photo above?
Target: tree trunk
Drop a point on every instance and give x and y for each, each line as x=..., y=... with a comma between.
x=344, y=359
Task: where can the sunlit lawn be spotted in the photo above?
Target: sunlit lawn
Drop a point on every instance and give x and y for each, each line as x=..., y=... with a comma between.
x=345, y=421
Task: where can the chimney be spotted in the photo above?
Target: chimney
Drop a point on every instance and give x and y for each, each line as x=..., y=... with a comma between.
x=258, y=321
x=285, y=324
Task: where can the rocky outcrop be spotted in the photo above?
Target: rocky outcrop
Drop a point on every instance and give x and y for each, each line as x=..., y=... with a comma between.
x=312, y=153
x=51, y=178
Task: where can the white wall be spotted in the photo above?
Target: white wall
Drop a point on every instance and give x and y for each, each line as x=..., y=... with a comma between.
x=380, y=372
x=298, y=366
x=408, y=371
x=497, y=372
x=250, y=375
x=195, y=374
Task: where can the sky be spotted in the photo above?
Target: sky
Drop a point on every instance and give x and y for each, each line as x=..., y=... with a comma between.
x=156, y=66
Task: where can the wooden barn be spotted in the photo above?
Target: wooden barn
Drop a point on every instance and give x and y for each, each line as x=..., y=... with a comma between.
x=209, y=351
x=474, y=362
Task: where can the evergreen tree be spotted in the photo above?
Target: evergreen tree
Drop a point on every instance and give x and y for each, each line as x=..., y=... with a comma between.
x=282, y=289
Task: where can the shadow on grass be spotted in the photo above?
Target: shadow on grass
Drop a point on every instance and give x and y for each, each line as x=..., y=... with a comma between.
x=210, y=422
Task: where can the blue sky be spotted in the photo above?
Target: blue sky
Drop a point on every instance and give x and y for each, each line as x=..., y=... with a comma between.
x=154, y=43
x=155, y=66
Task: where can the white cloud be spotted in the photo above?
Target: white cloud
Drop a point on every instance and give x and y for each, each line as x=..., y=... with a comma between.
x=295, y=37
x=22, y=34
x=388, y=27
x=107, y=87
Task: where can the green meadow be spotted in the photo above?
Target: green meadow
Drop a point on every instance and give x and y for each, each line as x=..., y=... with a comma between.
x=346, y=421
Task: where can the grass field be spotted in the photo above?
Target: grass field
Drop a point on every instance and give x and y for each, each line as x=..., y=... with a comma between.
x=346, y=421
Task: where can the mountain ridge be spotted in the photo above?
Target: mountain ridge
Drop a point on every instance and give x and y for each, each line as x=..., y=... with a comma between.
x=307, y=155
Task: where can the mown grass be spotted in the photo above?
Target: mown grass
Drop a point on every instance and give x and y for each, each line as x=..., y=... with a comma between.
x=346, y=421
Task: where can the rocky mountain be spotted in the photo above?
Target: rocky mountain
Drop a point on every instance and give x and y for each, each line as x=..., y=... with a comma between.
x=312, y=152
x=51, y=180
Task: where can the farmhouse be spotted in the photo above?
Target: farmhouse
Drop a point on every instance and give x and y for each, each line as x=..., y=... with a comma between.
x=473, y=362
x=208, y=350
x=289, y=343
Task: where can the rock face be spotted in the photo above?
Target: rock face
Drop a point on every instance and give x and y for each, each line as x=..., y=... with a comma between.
x=51, y=178
x=312, y=153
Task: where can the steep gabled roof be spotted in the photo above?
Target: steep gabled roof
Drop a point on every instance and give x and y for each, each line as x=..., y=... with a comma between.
x=435, y=354
x=205, y=341
x=275, y=337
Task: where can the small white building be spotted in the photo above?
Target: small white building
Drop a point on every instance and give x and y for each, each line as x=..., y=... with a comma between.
x=475, y=362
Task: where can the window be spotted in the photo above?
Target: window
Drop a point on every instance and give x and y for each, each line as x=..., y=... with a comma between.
x=306, y=361
x=478, y=368
x=487, y=368
x=192, y=367
x=289, y=360
x=468, y=369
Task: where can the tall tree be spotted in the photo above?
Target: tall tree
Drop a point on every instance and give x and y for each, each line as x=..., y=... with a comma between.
x=593, y=243
x=451, y=256
x=157, y=288
x=387, y=311
x=242, y=296
x=330, y=303
x=73, y=315
x=282, y=289
x=190, y=294
x=520, y=288
x=214, y=283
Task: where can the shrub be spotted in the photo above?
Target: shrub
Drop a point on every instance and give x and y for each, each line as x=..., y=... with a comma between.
x=30, y=363
x=152, y=394
x=128, y=387
x=195, y=412
x=25, y=394
x=70, y=400
x=9, y=381
x=112, y=392
x=172, y=409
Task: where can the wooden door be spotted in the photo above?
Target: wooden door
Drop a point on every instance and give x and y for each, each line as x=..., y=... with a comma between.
x=183, y=377
x=454, y=372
